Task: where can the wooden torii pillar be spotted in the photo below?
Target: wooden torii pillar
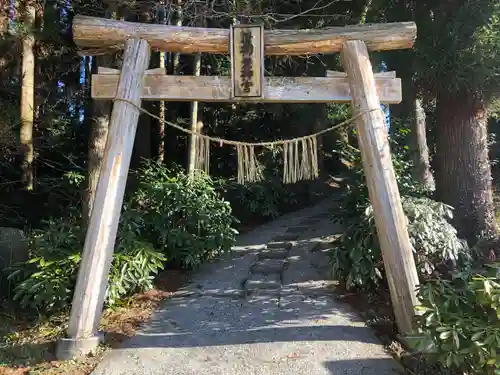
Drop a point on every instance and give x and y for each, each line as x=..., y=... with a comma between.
x=98, y=36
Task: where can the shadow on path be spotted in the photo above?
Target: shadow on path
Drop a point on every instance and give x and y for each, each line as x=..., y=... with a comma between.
x=364, y=367
x=217, y=321
x=299, y=329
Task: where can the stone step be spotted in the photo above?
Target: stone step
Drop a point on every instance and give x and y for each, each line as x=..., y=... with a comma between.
x=268, y=266
x=324, y=244
x=322, y=215
x=258, y=281
x=279, y=245
x=286, y=237
x=310, y=221
x=273, y=254
x=298, y=229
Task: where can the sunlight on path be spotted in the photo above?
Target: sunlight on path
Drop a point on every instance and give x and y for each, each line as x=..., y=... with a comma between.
x=265, y=310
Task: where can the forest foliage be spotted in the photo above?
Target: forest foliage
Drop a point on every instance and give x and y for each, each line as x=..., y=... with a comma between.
x=172, y=220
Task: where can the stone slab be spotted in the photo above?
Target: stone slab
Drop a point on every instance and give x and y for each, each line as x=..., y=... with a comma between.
x=310, y=221
x=298, y=229
x=322, y=215
x=273, y=254
x=268, y=266
x=279, y=245
x=231, y=271
x=286, y=237
x=261, y=281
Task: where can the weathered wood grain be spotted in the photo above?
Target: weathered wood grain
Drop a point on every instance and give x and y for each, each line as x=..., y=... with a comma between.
x=255, y=75
x=218, y=89
x=88, y=298
x=390, y=219
x=99, y=35
x=334, y=74
x=116, y=72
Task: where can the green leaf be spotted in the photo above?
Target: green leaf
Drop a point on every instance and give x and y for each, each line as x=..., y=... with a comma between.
x=445, y=335
x=456, y=340
x=476, y=336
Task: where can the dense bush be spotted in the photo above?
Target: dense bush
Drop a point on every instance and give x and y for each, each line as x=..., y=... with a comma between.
x=168, y=218
x=186, y=218
x=46, y=282
x=356, y=257
x=459, y=313
x=256, y=202
x=355, y=198
x=135, y=260
x=459, y=321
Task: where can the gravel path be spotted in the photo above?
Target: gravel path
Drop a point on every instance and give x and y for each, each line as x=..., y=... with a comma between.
x=267, y=309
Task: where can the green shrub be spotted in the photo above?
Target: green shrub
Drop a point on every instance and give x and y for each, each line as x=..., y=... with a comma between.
x=184, y=217
x=459, y=321
x=356, y=257
x=169, y=217
x=135, y=261
x=47, y=280
x=355, y=198
x=256, y=202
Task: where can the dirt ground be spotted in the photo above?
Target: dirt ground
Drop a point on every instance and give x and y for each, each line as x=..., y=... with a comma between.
x=27, y=344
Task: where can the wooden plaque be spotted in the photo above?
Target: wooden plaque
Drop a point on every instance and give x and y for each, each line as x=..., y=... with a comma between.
x=247, y=61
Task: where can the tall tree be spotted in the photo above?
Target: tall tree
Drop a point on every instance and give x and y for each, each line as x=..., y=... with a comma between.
x=4, y=17
x=194, y=112
x=420, y=151
x=101, y=113
x=411, y=108
x=98, y=133
x=457, y=57
x=28, y=95
x=4, y=38
x=459, y=48
x=163, y=17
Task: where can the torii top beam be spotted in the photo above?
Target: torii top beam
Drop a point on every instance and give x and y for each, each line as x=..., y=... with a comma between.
x=96, y=36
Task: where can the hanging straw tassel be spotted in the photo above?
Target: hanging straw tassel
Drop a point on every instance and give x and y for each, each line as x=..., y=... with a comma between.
x=249, y=169
x=309, y=161
x=300, y=160
x=291, y=162
x=202, y=155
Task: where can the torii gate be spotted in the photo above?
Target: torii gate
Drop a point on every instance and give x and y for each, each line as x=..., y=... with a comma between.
x=135, y=83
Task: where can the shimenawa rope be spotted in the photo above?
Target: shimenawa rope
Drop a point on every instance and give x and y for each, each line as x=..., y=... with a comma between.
x=300, y=155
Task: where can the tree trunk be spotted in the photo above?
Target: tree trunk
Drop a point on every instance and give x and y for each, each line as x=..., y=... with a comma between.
x=162, y=107
x=364, y=12
x=463, y=173
x=142, y=143
x=177, y=56
x=5, y=45
x=420, y=151
x=4, y=17
x=28, y=98
x=101, y=112
x=161, y=121
x=194, y=121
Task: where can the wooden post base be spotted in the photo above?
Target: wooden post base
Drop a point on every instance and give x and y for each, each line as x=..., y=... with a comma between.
x=88, y=299
x=390, y=219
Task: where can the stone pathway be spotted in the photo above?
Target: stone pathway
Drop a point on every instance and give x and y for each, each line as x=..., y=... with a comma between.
x=267, y=309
